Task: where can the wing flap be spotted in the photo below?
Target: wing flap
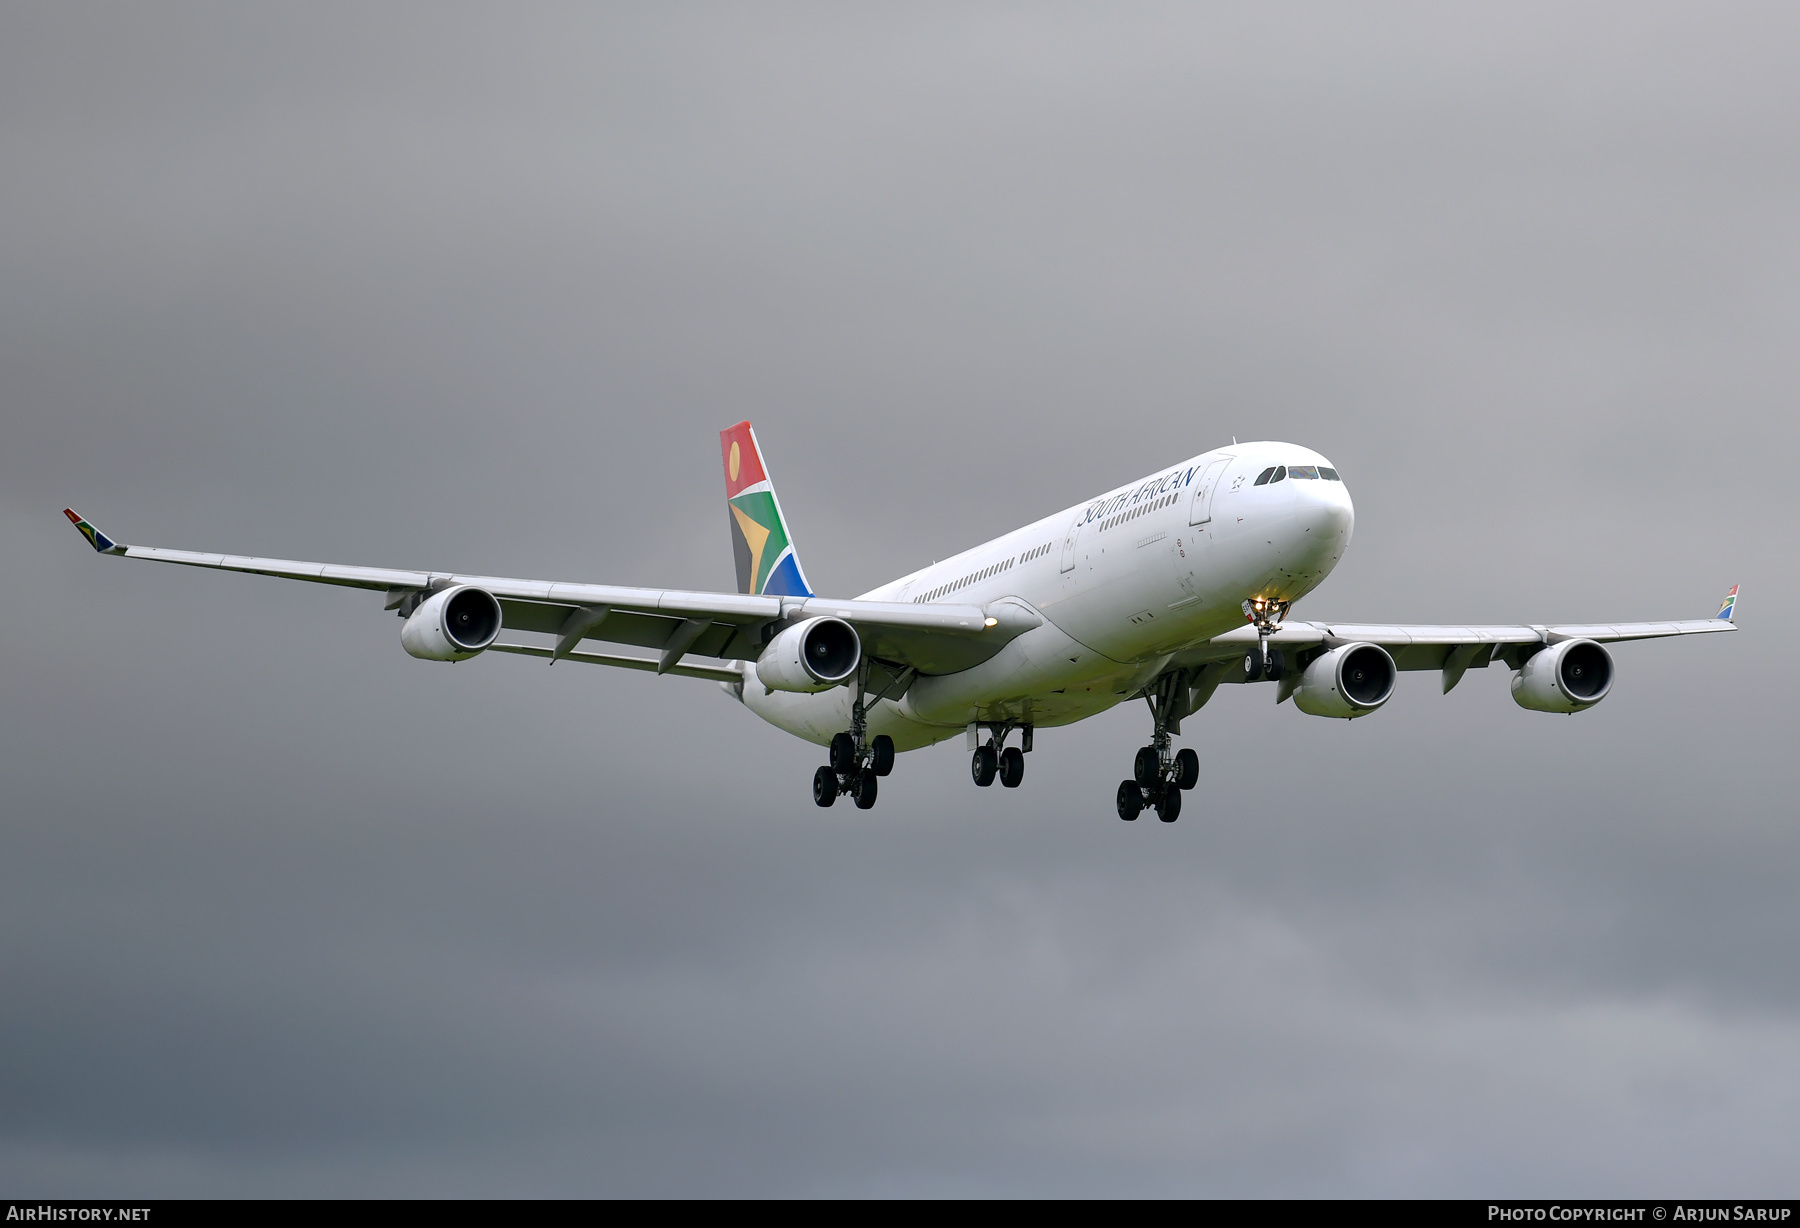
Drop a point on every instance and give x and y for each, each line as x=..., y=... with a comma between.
x=286, y=569
x=712, y=672
x=1608, y=633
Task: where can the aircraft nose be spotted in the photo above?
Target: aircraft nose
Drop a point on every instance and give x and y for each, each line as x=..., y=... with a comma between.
x=1327, y=514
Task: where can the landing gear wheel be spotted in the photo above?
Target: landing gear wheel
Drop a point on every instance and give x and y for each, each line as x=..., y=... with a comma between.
x=863, y=790
x=1252, y=666
x=1131, y=800
x=1168, y=806
x=1147, y=767
x=1012, y=767
x=983, y=764
x=843, y=753
x=825, y=788
x=1273, y=672
x=883, y=748
x=1187, y=769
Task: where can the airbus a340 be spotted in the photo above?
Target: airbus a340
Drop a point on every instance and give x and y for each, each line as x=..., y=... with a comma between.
x=1162, y=589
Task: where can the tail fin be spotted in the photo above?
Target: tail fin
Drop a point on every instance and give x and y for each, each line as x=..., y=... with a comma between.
x=1729, y=609
x=766, y=561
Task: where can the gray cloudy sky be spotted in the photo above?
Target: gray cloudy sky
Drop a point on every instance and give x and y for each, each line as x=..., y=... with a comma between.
x=283, y=911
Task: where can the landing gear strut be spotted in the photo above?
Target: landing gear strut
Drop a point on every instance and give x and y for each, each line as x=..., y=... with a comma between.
x=994, y=758
x=1158, y=775
x=1262, y=661
x=857, y=760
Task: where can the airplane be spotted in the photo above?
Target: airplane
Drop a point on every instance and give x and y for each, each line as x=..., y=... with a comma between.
x=1163, y=589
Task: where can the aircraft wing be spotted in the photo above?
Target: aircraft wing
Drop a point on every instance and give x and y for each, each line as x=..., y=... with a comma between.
x=931, y=638
x=1452, y=649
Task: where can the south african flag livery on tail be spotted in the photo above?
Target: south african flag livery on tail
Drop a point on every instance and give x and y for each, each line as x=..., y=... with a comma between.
x=766, y=562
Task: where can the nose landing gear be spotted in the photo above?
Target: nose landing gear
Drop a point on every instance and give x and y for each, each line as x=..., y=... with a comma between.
x=1262, y=661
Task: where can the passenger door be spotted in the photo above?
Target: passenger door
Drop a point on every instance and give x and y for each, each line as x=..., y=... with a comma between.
x=1068, y=559
x=1200, y=509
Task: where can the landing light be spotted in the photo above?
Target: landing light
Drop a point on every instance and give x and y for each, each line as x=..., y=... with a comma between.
x=992, y=622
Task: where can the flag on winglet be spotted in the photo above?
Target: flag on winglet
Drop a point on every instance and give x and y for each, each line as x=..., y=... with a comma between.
x=96, y=539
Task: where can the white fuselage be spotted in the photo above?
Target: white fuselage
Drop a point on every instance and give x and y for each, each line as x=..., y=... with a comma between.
x=1123, y=582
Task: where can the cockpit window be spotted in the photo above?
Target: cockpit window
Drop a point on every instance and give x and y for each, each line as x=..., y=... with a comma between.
x=1330, y=475
x=1310, y=472
x=1280, y=473
x=1262, y=479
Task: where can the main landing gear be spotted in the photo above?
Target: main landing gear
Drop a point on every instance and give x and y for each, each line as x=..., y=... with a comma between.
x=854, y=771
x=1158, y=781
x=995, y=758
x=1158, y=775
x=857, y=760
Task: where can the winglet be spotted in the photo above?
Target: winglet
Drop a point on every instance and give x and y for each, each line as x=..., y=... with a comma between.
x=1730, y=607
x=105, y=544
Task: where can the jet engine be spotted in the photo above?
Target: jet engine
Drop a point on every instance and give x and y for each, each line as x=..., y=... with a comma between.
x=453, y=625
x=814, y=655
x=1346, y=682
x=1565, y=677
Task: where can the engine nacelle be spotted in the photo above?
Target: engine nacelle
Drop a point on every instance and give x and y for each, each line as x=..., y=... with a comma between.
x=1346, y=682
x=1566, y=677
x=453, y=625
x=814, y=655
